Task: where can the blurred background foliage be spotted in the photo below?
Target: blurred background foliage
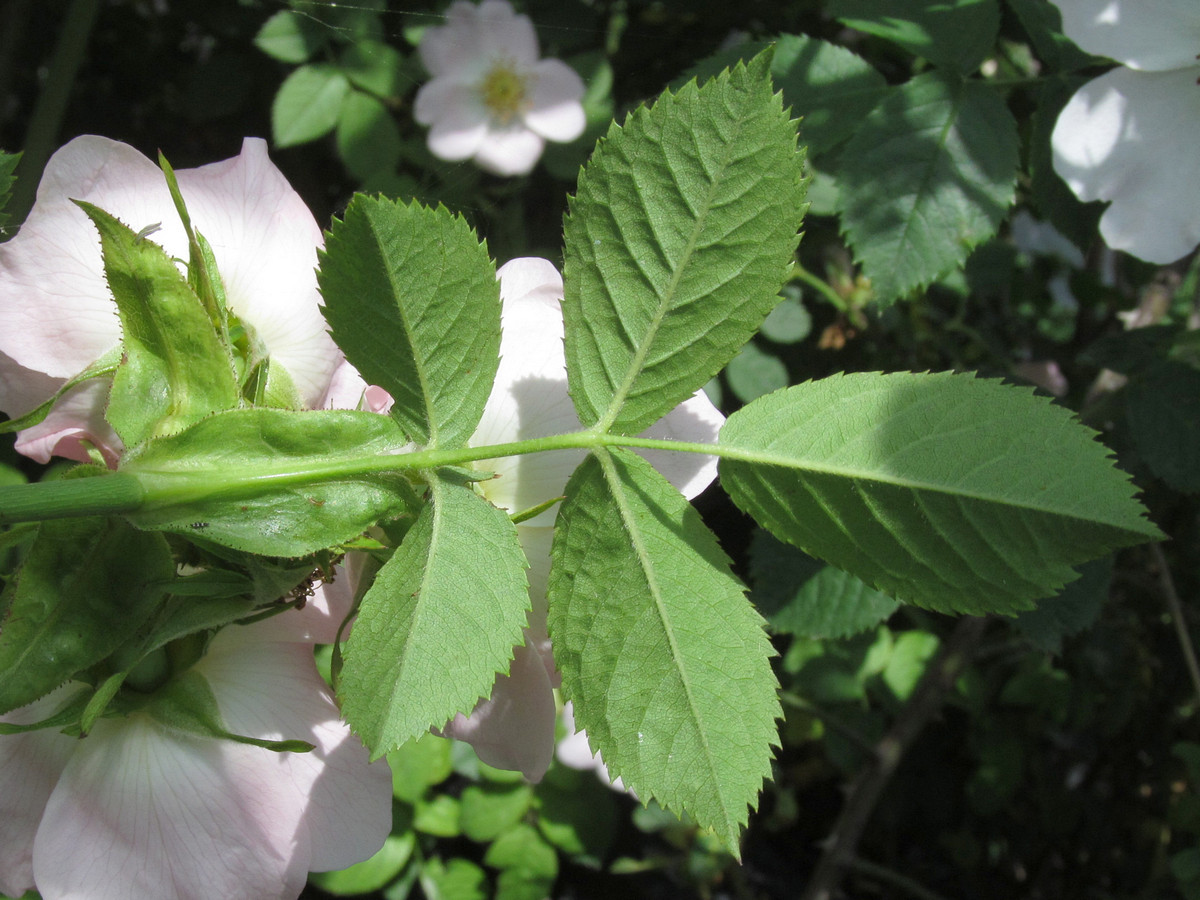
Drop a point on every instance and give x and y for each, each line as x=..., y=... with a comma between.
x=1054, y=755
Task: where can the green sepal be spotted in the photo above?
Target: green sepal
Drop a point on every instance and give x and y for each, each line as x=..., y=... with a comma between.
x=683, y=230
x=104, y=367
x=667, y=664
x=65, y=717
x=412, y=299
x=85, y=586
x=187, y=704
x=244, y=479
x=439, y=622
x=947, y=491
x=203, y=277
x=175, y=370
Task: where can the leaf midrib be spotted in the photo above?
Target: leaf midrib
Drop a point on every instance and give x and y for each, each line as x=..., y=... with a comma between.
x=647, y=566
x=666, y=300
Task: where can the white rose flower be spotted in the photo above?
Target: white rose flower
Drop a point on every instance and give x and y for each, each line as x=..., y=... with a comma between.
x=491, y=98
x=1130, y=136
x=138, y=809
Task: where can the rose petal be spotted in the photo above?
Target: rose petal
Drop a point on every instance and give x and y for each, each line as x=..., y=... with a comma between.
x=143, y=812
x=265, y=240
x=56, y=312
x=275, y=693
x=457, y=117
x=508, y=152
x=504, y=33
x=1143, y=34
x=555, y=111
x=529, y=398
x=30, y=765
x=514, y=728
x=78, y=416
x=1127, y=137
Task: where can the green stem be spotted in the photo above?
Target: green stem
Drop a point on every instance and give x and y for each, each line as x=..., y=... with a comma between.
x=820, y=286
x=47, y=118
x=102, y=495
x=131, y=490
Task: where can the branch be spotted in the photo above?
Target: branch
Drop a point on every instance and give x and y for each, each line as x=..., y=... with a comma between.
x=868, y=785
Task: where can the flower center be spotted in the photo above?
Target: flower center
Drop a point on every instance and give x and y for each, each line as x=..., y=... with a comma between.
x=504, y=89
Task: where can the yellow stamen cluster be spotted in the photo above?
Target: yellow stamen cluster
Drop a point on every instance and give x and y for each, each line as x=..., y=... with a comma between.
x=504, y=91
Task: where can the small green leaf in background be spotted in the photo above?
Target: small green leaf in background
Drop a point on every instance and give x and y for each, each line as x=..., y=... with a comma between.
x=175, y=370
x=677, y=243
x=829, y=87
x=489, y=810
x=374, y=67
x=1043, y=23
x=789, y=322
x=8, y=165
x=412, y=299
x=368, y=139
x=1163, y=409
x=419, y=765
x=437, y=816
x=370, y=874
x=1076, y=608
x=928, y=175
x=527, y=864
x=577, y=814
x=290, y=37
x=308, y=104
x=220, y=479
x=439, y=622
x=665, y=660
x=458, y=879
x=86, y=586
x=801, y=595
x=955, y=33
x=910, y=657
x=946, y=491
x=754, y=372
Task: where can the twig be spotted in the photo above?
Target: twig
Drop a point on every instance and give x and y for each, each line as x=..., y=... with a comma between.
x=895, y=879
x=868, y=785
x=1175, y=607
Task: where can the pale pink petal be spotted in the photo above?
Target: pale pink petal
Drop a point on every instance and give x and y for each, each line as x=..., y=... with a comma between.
x=265, y=240
x=447, y=50
x=317, y=622
x=30, y=765
x=514, y=728
x=1143, y=34
x=143, y=812
x=536, y=541
x=511, y=151
x=575, y=752
x=505, y=34
x=696, y=421
x=347, y=390
x=457, y=117
x=1128, y=137
x=274, y=692
x=529, y=398
x=56, y=312
x=77, y=417
x=556, y=112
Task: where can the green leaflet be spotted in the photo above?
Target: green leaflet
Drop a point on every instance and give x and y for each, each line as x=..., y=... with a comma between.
x=308, y=104
x=86, y=586
x=412, y=299
x=439, y=622
x=947, y=491
x=245, y=479
x=955, y=33
x=677, y=242
x=175, y=370
x=801, y=595
x=929, y=174
x=666, y=662
x=8, y=165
